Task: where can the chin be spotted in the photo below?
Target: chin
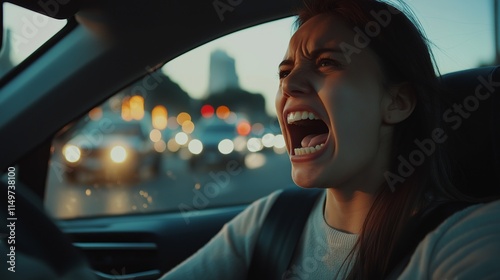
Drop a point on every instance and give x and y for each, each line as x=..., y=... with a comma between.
x=308, y=179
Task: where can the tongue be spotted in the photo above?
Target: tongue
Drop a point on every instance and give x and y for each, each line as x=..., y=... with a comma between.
x=313, y=140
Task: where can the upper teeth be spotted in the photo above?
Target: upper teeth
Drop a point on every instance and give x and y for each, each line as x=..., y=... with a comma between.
x=302, y=115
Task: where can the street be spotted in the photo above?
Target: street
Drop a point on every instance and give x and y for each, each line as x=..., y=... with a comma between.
x=176, y=187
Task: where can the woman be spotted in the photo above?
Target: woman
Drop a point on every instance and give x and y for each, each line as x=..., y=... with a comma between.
x=358, y=92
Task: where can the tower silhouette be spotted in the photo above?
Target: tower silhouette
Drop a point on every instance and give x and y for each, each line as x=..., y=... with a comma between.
x=222, y=75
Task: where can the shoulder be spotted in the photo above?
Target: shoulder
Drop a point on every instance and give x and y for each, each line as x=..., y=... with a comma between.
x=242, y=231
x=465, y=244
x=227, y=255
x=256, y=212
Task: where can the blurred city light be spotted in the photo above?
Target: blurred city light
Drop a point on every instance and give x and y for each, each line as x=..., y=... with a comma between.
x=244, y=128
x=183, y=117
x=181, y=138
x=95, y=114
x=207, y=111
x=195, y=146
x=155, y=135
x=72, y=153
x=255, y=160
x=118, y=154
x=279, y=144
x=188, y=127
x=226, y=146
x=137, y=107
x=173, y=146
x=126, y=113
x=279, y=151
x=159, y=117
x=254, y=145
x=279, y=141
x=222, y=112
x=268, y=140
x=160, y=146
x=240, y=143
x=115, y=103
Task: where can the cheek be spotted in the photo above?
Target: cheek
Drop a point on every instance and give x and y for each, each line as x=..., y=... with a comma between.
x=279, y=104
x=355, y=118
x=278, y=101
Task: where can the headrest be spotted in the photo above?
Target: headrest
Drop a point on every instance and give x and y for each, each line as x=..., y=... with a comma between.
x=472, y=113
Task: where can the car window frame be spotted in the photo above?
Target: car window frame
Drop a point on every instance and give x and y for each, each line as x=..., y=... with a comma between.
x=71, y=23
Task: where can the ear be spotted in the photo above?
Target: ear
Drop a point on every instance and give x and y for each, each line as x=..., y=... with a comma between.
x=399, y=103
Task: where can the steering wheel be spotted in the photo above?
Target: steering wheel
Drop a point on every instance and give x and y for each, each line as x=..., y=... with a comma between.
x=36, y=248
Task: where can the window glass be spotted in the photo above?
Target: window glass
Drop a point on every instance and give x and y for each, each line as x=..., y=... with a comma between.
x=462, y=33
x=198, y=133
x=201, y=131
x=24, y=32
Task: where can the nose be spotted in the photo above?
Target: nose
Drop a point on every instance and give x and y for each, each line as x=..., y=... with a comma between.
x=297, y=82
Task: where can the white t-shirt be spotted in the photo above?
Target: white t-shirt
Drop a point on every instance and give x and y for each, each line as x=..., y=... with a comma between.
x=465, y=246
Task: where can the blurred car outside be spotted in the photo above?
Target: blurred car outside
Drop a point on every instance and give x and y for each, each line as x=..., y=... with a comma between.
x=111, y=149
x=216, y=142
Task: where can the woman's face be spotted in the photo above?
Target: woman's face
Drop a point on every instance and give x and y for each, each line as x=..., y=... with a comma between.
x=331, y=104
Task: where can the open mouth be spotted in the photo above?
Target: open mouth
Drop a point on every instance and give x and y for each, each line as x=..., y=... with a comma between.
x=308, y=132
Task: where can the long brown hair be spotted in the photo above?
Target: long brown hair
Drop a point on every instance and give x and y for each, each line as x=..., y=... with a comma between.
x=406, y=58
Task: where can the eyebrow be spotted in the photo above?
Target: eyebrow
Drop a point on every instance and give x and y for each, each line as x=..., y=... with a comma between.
x=315, y=53
x=286, y=62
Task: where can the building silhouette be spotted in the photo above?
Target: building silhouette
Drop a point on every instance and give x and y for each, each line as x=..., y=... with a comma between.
x=222, y=73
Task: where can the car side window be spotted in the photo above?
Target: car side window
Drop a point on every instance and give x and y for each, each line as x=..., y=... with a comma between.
x=201, y=132
x=24, y=32
x=198, y=133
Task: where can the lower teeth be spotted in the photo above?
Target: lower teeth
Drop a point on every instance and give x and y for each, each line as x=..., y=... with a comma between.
x=307, y=150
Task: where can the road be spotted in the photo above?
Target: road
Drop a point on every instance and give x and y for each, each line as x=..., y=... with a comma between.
x=176, y=188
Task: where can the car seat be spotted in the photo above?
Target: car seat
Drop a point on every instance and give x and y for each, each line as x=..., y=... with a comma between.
x=472, y=112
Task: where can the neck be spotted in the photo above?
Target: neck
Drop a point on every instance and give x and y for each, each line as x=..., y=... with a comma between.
x=346, y=211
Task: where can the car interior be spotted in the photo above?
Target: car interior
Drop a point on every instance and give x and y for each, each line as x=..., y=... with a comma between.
x=105, y=47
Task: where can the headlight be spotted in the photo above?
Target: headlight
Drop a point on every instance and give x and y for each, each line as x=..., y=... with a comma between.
x=268, y=140
x=72, y=153
x=118, y=154
x=226, y=146
x=254, y=145
x=195, y=146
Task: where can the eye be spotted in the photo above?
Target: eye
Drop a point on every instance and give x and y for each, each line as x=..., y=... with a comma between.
x=283, y=73
x=328, y=62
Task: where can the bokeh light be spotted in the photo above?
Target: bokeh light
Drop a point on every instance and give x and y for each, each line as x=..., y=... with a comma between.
x=181, y=138
x=207, y=111
x=244, y=128
x=159, y=117
x=160, y=146
x=195, y=146
x=226, y=146
x=95, y=114
x=118, y=154
x=155, y=135
x=183, y=117
x=188, y=127
x=222, y=112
